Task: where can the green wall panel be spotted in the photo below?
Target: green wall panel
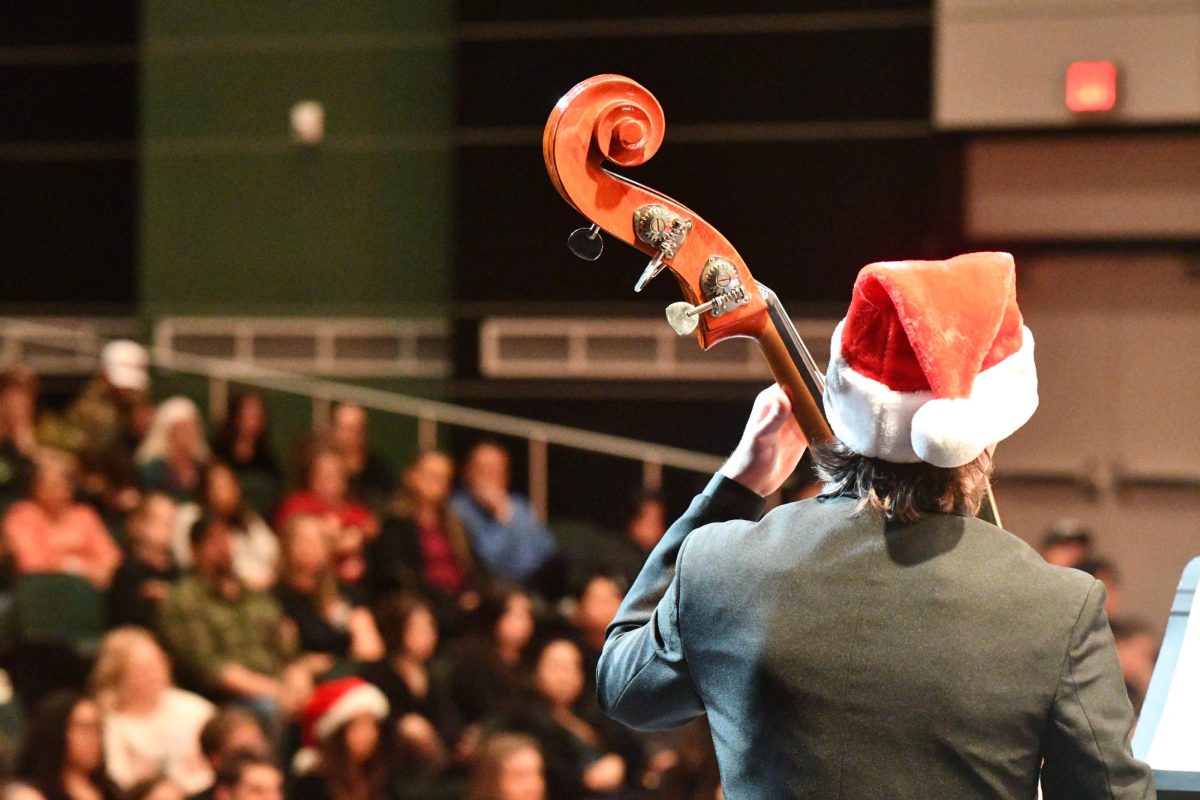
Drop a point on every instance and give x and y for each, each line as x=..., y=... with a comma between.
x=316, y=233
x=189, y=19
x=369, y=92
x=238, y=220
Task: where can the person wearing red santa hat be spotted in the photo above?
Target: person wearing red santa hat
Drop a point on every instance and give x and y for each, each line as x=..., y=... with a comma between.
x=879, y=640
x=343, y=754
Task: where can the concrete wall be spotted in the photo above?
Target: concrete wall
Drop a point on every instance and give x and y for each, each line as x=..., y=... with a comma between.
x=1119, y=366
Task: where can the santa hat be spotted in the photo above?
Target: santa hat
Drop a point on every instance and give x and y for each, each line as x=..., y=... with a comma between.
x=331, y=706
x=932, y=362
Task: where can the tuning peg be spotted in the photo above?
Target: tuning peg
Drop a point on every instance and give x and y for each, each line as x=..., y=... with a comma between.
x=681, y=319
x=685, y=317
x=586, y=243
x=652, y=269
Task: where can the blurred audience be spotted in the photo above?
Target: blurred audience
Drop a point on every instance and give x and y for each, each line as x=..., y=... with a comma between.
x=151, y=728
x=368, y=473
x=249, y=777
x=486, y=669
x=422, y=716
x=173, y=455
x=18, y=438
x=233, y=732
x=144, y=579
x=111, y=483
x=586, y=754
x=156, y=788
x=220, y=498
x=1067, y=543
x=510, y=768
x=345, y=755
x=50, y=532
x=63, y=753
x=505, y=533
x=595, y=608
x=423, y=545
x=18, y=790
x=443, y=687
x=332, y=622
x=110, y=414
x=244, y=442
x=325, y=495
x=1137, y=650
x=1104, y=571
x=641, y=525
x=229, y=640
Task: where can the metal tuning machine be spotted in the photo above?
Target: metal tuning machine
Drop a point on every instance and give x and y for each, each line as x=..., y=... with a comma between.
x=720, y=283
x=662, y=229
x=586, y=243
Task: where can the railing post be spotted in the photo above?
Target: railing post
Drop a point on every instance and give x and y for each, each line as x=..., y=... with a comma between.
x=218, y=399
x=652, y=472
x=539, y=477
x=426, y=434
x=322, y=410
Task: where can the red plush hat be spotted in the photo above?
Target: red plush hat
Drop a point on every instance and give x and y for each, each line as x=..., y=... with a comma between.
x=335, y=703
x=932, y=362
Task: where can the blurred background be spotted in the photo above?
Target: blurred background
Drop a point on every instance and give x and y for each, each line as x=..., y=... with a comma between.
x=330, y=202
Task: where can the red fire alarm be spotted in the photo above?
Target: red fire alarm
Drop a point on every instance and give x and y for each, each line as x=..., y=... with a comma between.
x=1091, y=86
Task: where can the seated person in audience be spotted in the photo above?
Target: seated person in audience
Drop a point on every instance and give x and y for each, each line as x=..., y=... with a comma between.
x=1137, y=650
x=249, y=777
x=63, y=753
x=422, y=545
x=644, y=525
x=230, y=641
x=422, y=715
x=325, y=495
x=108, y=414
x=586, y=754
x=173, y=454
x=345, y=753
x=255, y=545
x=509, y=768
x=144, y=579
x=156, y=788
x=18, y=790
x=596, y=607
x=332, y=622
x=110, y=482
x=487, y=669
x=505, y=533
x=233, y=732
x=244, y=443
x=1067, y=543
x=151, y=728
x=369, y=474
x=1106, y=572
x=50, y=532
x=18, y=440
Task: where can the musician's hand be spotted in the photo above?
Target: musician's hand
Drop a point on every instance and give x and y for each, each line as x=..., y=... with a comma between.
x=771, y=445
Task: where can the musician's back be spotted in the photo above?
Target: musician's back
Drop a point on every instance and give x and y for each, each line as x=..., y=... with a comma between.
x=841, y=658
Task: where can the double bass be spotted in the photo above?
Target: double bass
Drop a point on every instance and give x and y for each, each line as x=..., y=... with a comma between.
x=611, y=119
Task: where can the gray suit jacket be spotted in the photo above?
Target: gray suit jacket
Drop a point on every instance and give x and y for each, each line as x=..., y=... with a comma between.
x=840, y=657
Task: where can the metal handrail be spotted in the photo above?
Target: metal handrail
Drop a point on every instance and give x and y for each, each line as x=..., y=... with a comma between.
x=428, y=413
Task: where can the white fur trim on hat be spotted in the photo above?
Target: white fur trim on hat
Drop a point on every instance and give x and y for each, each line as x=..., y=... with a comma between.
x=905, y=427
x=362, y=699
